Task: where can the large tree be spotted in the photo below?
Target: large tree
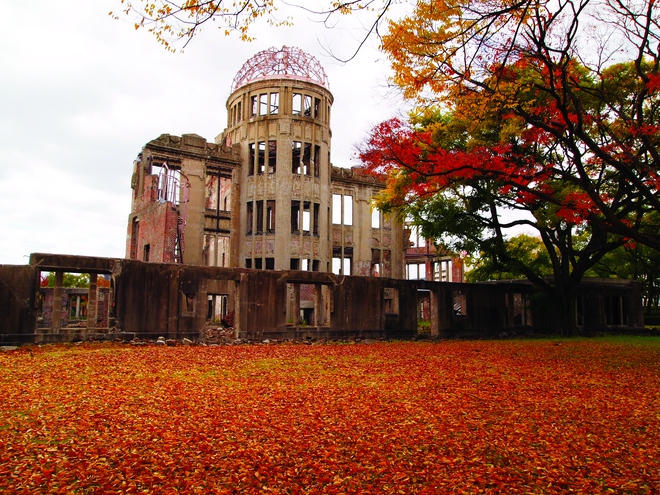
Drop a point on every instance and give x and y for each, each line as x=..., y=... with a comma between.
x=549, y=107
x=473, y=184
x=580, y=74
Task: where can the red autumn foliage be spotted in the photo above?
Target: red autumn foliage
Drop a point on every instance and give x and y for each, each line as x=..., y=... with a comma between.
x=396, y=146
x=424, y=418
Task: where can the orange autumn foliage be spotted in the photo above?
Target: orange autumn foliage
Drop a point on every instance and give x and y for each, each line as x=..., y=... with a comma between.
x=450, y=417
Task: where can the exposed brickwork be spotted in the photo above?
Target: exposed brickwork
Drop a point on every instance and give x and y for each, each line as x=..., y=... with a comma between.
x=45, y=307
x=155, y=223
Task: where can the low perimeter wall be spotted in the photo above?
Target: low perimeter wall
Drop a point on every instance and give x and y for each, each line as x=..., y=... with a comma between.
x=151, y=300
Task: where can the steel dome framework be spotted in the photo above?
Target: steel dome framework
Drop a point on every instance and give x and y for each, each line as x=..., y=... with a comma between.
x=287, y=62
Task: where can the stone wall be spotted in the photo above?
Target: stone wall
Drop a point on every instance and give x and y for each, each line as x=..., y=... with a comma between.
x=150, y=300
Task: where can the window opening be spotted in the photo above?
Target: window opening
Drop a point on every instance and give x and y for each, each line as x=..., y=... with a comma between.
x=217, y=307
x=270, y=216
x=294, y=264
x=272, y=156
x=215, y=249
x=460, y=303
x=348, y=210
x=270, y=263
x=615, y=310
x=416, y=237
x=188, y=303
x=212, y=192
x=375, y=262
x=375, y=218
x=260, y=217
x=295, y=217
x=274, y=103
x=307, y=106
x=336, y=209
x=225, y=193
x=391, y=300
x=442, y=271
x=346, y=268
x=248, y=262
x=307, y=159
x=253, y=109
x=347, y=261
x=336, y=265
x=296, y=147
x=306, y=218
x=145, y=252
x=78, y=306
x=261, y=158
x=317, y=107
x=253, y=153
x=297, y=104
x=169, y=183
x=423, y=311
x=263, y=104
x=416, y=271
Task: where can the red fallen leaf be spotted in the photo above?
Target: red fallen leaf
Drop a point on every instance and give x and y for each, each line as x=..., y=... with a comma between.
x=406, y=417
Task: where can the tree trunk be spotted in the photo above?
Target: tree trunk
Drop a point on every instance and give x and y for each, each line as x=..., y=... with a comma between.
x=563, y=302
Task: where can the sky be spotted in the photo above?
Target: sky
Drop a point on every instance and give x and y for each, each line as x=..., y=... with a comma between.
x=81, y=93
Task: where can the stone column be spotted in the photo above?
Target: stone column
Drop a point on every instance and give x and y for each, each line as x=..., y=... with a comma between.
x=295, y=310
x=434, y=313
x=318, y=305
x=57, y=302
x=91, y=302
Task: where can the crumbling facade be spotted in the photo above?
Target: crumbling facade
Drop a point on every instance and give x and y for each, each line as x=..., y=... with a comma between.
x=265, y=195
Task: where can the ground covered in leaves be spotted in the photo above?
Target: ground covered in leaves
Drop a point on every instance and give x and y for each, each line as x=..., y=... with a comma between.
x=566, y=416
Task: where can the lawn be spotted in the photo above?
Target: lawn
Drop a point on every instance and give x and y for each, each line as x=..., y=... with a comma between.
x=537, y=416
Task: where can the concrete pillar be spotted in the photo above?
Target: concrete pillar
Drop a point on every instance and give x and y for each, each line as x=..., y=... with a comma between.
x=510, y=309
x=295, y=310
x=318, y=305
x=434, y=313
x=92, y=304
x=57, y=302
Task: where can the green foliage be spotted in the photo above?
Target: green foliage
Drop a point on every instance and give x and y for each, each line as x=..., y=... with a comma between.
x=523, y=248
x=636, y=262
x=80, y=280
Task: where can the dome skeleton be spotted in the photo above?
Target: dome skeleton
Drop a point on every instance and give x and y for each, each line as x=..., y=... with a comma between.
x=286, y=62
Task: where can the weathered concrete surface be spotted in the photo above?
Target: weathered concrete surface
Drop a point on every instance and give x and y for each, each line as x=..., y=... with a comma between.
x=18, y=320
x=149, y=300
x=71, y=263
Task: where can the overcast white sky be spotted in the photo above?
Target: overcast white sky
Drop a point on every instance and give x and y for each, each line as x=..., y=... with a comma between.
x=80, y=94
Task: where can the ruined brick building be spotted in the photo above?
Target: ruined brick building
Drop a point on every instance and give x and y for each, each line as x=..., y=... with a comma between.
x=259, y=226
x=265, y=194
